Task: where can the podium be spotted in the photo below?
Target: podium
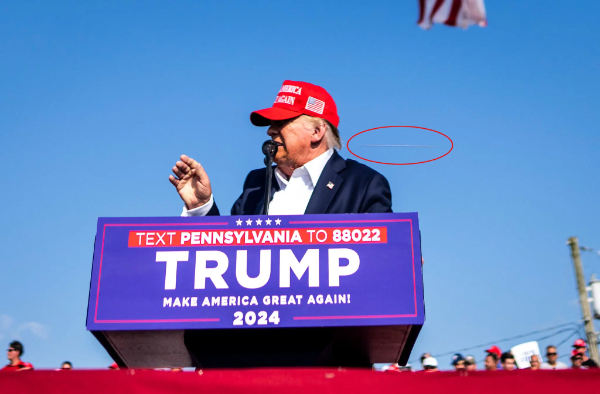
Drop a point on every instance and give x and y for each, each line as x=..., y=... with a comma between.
x=254, y=291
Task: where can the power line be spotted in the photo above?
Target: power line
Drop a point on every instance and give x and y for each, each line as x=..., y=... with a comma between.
x=510, y=339
x=556, y=333
x=575, y=331
x=586, y=249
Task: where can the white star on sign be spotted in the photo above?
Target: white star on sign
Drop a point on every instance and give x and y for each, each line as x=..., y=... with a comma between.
x=268, y=222
x=278, y=221
x=249, y=222
x=258, y=221
x=239, y=222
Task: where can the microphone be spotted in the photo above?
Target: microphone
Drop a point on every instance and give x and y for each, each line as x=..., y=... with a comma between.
x=269, y=149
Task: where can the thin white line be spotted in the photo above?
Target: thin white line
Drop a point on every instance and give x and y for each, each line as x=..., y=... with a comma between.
x=404, y=146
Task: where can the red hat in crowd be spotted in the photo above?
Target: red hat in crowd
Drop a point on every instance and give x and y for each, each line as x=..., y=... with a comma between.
x=297, y=98
x=495, y=350
x=575, y=353
x=393, y=368
x=579, y=343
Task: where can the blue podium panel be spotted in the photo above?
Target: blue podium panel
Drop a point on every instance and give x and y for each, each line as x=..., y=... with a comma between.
x=248, y=272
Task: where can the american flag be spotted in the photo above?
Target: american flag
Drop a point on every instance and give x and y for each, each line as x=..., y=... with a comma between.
x=460, y=13
x=315, y=105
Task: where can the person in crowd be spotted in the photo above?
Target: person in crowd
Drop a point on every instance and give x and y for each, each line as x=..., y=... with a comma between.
x=458, y=362
x=581, y=347
x=66, y=366
x=430, y=364
x=491, y=361
x=577, y=360
x=113, y=366
x=13, y=353
x=552, y=359
x=391, y=368
x=423, y=357
x=534, y=362
x=507, y=360
x=397, y=368
x=495, y=350
x=470, y=363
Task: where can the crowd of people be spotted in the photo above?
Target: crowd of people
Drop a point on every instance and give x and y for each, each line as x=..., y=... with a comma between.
x=496, y=360
x=14, y=353
x=493, y=357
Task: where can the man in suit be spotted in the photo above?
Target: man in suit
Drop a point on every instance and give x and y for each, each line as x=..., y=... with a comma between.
x=310, y=177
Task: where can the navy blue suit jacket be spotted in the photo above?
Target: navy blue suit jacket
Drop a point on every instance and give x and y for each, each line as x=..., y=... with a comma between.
x=356, y=189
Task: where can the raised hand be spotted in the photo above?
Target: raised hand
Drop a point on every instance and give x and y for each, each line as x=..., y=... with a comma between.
x=191, y=182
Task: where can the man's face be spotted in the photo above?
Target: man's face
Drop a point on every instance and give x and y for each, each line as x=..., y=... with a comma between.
x=66, y=366
x=490, y=363
x=508, y=364
x=460, y=366
x=472, y=367
x=534, y=362
x=296, y=136
x=577, y=361
x=552, y=355
x=12, y=354
x=581, y=349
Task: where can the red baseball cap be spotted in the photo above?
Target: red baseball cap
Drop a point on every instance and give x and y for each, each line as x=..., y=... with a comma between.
x=579, y=343
x=575, y=353
x=297, y=98
x=495, y=350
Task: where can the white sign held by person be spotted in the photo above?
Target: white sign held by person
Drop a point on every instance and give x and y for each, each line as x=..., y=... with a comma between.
x=523, y=353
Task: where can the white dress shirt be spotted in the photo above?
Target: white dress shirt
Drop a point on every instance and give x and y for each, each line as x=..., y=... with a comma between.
x=294, y=193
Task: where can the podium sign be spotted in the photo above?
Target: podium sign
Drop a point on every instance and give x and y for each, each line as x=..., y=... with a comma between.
x=252, y=272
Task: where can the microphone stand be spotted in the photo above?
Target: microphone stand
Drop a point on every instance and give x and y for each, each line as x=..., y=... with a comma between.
x=269, y=149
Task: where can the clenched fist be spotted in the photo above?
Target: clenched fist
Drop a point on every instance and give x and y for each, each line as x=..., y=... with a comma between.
x=191, y=182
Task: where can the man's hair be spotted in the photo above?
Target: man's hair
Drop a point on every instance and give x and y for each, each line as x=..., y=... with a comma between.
x=507, y=356
x=18, y=346
x=332, y=135
x=550, y=347
x=494, y=356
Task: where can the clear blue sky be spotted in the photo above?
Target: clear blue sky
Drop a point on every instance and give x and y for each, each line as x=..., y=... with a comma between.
x=98, y=100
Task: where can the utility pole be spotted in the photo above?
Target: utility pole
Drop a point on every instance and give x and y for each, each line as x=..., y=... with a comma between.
x=583, y=300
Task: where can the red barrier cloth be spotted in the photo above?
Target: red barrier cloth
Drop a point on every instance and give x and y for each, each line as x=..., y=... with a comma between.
x=301, y=380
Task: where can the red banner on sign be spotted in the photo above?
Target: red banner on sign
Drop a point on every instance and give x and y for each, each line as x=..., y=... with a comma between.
x=345, y=235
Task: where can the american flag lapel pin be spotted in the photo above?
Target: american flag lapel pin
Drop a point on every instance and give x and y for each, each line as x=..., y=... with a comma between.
x=330, y=185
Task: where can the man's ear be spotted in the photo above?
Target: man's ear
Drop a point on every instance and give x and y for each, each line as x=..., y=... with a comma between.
x=318, y=132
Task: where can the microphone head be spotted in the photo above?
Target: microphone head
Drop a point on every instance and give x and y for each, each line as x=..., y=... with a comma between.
x=269, y=148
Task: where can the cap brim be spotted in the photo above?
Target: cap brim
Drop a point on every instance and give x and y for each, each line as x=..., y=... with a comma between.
x=264, y=117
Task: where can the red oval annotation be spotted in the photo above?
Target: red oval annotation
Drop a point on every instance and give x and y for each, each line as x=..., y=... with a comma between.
x=400, y=164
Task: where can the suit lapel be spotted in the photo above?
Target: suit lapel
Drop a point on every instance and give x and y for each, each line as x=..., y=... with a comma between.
x=274, y=188
x=328, y=185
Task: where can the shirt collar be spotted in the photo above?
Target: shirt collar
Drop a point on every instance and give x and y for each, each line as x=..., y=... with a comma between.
x=314, y=168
